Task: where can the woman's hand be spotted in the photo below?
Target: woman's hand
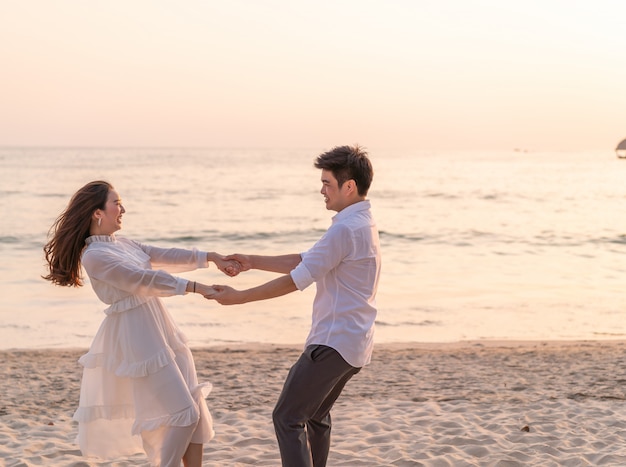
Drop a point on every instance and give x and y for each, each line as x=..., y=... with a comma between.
x=199, y=287
x=204, y=289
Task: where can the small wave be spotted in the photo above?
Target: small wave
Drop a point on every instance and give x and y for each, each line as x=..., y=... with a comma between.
x=4, y=193
x=437, y=194
x=262, y=196
x=176, y=239
x=239, y=237
x=402, y=236
x=620, y=239
x=22, y=327
x=424, y=323
x=609, y=334
x=314, y=233
x=473, y=237
x=50, y=195
x=23, y=244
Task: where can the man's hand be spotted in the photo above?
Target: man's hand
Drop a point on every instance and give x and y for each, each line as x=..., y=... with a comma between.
x=242, y=260
x=230, y=267
x=225, y=295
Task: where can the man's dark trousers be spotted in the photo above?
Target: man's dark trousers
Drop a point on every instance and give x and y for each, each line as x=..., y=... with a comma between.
x=302, y=414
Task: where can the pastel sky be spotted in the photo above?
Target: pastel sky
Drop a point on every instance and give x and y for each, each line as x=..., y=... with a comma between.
x=420, y=74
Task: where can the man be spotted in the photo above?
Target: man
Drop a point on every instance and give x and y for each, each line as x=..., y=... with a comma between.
x=345, y=265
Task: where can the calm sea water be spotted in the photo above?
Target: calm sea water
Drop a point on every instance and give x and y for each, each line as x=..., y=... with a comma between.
x=507, y=245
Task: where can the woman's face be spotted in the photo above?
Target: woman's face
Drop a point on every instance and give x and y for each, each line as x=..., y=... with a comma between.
x=111, y=215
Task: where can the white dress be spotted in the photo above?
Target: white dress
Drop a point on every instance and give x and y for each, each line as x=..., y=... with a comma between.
x=139, y=377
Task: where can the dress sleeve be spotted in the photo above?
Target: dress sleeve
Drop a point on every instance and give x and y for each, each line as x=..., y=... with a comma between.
x=175, y=259
x=111, y=268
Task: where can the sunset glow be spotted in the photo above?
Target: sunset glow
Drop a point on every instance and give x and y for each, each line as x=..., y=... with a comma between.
x=421, y=74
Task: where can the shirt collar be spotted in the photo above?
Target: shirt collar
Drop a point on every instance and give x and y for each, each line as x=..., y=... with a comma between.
x=353, y=208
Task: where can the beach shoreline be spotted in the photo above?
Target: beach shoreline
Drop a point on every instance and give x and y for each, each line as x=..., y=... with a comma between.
x=467, y=403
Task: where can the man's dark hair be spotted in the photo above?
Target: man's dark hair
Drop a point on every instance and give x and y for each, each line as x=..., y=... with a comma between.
x=348, y=162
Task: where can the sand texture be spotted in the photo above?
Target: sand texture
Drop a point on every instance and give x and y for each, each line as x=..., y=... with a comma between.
x=463, y=404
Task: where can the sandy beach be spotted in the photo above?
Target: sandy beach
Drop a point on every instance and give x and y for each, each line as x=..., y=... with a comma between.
x=459, y=404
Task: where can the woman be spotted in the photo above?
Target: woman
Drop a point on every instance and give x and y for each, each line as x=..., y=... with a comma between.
x=139, y=385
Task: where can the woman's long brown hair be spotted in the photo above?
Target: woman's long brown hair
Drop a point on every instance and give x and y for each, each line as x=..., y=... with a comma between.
x=69, y=231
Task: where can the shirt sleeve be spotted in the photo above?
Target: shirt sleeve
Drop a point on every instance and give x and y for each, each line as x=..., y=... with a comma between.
x=324, y=256
x=110, y=268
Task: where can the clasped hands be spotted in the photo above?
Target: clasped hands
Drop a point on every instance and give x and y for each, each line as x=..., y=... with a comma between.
x=231, y=265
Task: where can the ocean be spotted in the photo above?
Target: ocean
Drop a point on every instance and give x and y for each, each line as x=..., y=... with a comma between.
x=510, y=245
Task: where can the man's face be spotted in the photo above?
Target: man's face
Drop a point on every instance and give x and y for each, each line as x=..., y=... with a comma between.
x=333, y=195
